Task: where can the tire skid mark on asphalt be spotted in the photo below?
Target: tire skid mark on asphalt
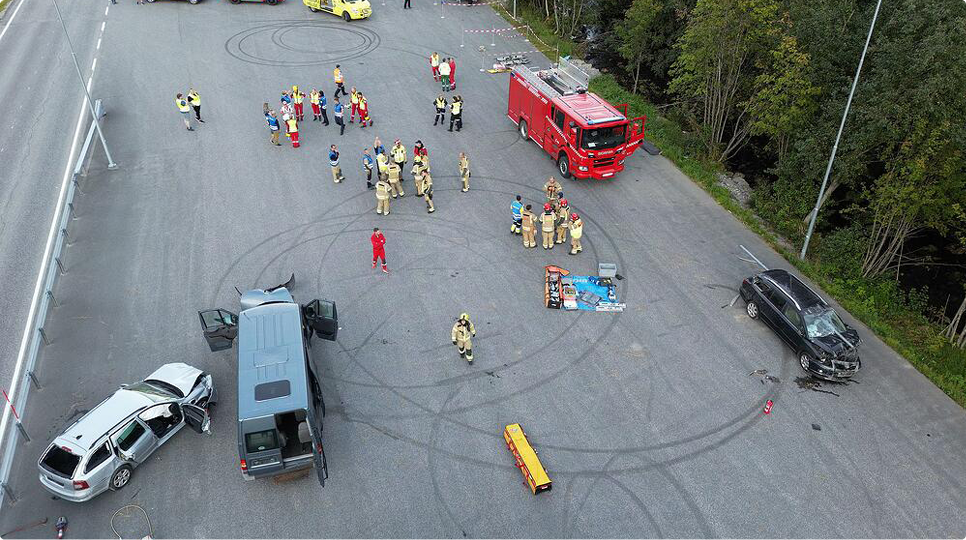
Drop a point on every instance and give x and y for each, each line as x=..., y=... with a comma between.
x=431, y=460
x=234, y=46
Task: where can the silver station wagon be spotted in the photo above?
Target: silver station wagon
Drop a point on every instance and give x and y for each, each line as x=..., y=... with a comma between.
x=100, y=450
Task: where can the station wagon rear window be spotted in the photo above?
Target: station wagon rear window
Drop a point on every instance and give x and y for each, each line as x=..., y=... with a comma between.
x=61, y=461
x=260, y=441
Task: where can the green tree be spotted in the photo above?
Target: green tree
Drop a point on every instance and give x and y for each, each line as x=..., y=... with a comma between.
x=727, y=47
x=634, y=31
x=786, y=98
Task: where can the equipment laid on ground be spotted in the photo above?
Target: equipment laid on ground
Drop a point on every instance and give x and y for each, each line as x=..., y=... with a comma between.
x=587, y=293
x=526, y=458
x=144, y=514
x=586, y=135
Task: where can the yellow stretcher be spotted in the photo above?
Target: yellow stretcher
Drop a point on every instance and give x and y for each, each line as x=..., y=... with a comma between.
x=526, y=458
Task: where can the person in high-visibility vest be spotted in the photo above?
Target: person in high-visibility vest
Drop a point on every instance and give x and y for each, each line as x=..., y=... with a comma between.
x=185, y=109
x=354, y=101
x=339, y=82
x=195, y=98
x=398, y=152
x=298, y=97
x=456, y=113
x=464, y=166
x=516, y=208
x=314, y=101
x=434, y=65
x=576, y=232
x=440, y=104
x=364, y=118
x=334, y=163
x=293, y=129
x=383, y=163
x=463, y=332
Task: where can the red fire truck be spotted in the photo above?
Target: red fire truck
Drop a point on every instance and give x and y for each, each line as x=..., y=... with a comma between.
x=588, y=137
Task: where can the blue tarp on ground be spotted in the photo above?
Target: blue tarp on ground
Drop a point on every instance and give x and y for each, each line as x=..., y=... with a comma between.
x=589, y=291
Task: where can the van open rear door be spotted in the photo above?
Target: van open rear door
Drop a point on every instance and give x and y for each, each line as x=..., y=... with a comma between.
x=318, y=454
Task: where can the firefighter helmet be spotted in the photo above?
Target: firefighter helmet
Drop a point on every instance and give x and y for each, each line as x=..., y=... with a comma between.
x=464, y=316
x=547, y=207
x=563, y=202
x=574, y=216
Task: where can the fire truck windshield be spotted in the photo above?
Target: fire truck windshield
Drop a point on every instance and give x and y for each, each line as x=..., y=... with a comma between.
x=600, y=138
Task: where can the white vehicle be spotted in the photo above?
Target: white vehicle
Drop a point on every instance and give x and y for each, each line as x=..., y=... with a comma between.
x=101, y=449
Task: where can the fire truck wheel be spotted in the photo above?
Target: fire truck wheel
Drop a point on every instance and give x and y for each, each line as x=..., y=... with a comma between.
x=524, y=129
x=563, y=164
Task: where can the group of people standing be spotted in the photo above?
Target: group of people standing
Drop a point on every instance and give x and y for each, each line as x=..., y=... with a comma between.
x=444, y=71
x=188, y=103
x=555, y=221
x=292, y=111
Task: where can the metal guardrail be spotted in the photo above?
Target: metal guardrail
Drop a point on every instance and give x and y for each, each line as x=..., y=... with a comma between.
x=24, y=376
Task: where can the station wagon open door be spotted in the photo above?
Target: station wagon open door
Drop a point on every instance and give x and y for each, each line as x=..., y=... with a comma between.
x=322, y=317
x=220, y=327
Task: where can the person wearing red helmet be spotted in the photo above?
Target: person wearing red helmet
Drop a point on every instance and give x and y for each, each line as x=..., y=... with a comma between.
x=576, y=232
x=563, y=221
x=548, y=220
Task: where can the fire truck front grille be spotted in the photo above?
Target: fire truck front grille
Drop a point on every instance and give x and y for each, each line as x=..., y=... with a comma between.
x=604, y=162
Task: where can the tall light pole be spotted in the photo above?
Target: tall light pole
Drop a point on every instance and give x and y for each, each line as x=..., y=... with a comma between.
x=835, y=147
x=90, y=104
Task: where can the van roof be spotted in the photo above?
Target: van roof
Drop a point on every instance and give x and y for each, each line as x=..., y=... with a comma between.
x=270, y=349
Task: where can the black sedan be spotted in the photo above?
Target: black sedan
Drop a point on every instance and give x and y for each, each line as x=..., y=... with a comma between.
x=825, y=346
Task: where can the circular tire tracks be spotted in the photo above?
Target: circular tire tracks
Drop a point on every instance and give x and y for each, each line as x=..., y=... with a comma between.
x=289, y=43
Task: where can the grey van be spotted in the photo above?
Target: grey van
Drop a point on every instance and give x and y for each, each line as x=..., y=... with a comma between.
x=280, y=405
x=100, y=450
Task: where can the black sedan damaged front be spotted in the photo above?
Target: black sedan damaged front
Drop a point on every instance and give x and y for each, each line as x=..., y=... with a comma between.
x=834, y=345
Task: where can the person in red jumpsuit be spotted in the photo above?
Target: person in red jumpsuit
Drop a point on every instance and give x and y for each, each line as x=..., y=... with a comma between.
x=452, y=73
x=378, y=248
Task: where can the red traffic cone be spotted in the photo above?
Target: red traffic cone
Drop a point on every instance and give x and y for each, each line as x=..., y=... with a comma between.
x=768, y=405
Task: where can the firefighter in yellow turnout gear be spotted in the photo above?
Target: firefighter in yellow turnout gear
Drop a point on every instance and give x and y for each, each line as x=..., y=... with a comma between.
x=382, y=197
x=563, y=221
x=463, y=332
x=464, y=165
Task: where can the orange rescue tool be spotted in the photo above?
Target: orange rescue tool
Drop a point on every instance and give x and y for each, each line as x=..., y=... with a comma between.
x=526, y=458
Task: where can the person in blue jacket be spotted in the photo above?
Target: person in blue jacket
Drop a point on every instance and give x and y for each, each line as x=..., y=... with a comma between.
x=517, y=208
x=272, y=126
x=367, y=166
x=337, y=111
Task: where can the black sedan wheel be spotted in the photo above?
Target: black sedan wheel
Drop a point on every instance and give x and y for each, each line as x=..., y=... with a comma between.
x=752, y=309
x=805, y=360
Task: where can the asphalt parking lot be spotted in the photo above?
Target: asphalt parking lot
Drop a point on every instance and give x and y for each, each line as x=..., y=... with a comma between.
x=648, y=420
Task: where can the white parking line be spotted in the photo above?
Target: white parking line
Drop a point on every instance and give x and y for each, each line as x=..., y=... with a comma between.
x=10, y=20
x=93, y=66
x=108, y=8
x=103, y=24
x=98, y=44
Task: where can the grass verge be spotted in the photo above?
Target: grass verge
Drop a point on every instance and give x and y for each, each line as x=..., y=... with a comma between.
x=877, y=303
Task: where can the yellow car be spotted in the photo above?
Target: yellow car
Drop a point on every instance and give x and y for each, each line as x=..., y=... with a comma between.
x=348, y=9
